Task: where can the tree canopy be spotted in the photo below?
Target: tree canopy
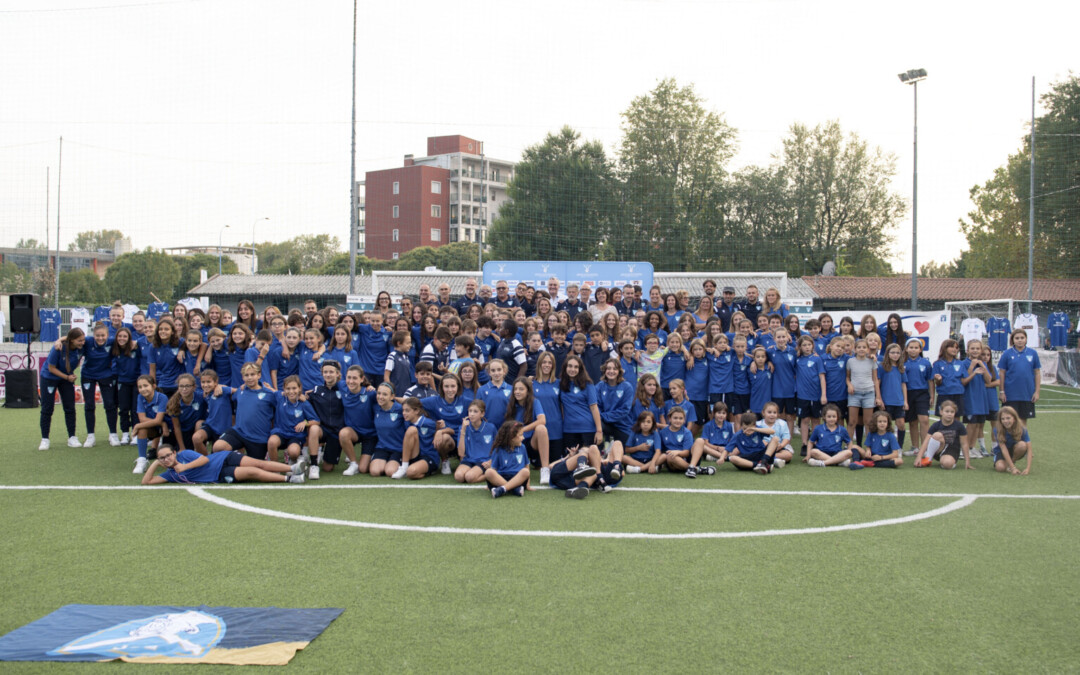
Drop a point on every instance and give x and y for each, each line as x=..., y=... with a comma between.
x=100, y=240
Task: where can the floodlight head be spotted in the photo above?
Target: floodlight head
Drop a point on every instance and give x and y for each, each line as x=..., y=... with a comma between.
x=912, y=76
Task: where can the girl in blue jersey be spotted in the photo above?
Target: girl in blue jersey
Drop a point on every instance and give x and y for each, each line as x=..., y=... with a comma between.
x=615, y=398
x=920, y=386
x=240, y=339
x=152, y=424
x=166, y=362
x=654, y=325
x=647, y=398
x=507, y=472
x=760, y=375
x=810, y=385
x=835, y=365
x=881, y=450
x=58, y=375
x=288, y=363
x=672, y=313
x=697, y=383
x=126, y=354
x=948, y=373
x=674, y=363
x=1011, y=442
x=218, y=417
x=526, y=409
x=892, y=332
x=292, y=419
x=678, y=399
x=716, y=435
x=783, y=358
x=341, y=348
x=192, y=351
x=830, y=444
x=389, y=430
x=419, y=458
x=977, y=380
x=474, y=445
x=186, y=408
x=546, y=391
x=581, y=412
x=678, y=441
x=373, y=344
x=216, y=356
x=892, y=387
x=310, y=354
x=721, y=363
x=358, y=402
x=740, y=376
x=628, y=362
x=97, y=371
x=470, y=380
x=1020, y=373
x=643, y=446
x=448, y=409
x=254, y=415
x=189, y=467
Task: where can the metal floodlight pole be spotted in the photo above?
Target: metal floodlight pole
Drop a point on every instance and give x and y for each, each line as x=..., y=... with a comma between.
x=220, y=232
x=59, y=172
x=253, y=242
x=1031, y=206
x=354, y=216
x=913, y=77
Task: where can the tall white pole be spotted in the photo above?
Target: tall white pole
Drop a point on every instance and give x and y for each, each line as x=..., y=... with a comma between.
x=915, y=211
x=59, y=170
x=1031, y=207
x=354, y=223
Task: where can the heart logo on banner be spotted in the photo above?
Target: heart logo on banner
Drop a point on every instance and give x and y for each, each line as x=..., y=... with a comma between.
x=922, y=326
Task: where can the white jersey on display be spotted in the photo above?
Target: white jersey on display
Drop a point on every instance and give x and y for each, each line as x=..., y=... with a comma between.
x=1030, y=324
x=972, y=329
x=80, y=318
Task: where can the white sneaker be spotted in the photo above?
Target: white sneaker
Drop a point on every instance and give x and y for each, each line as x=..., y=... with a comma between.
x=444, y=468
x=352, y=470
x=91, y=440
x=140, y=465
x=125, y=439
x=846, y=463
x=73, y=442
x=114, y=440
x=44, y=445
x=400, y=473
x=134, y=440
x=629, y=469
x=778, y=463
x=313, y=472
x=297, y=478
x=982, y=447
x=815, y=462
x=545, y=476
x=298, y=469
x=910, y=452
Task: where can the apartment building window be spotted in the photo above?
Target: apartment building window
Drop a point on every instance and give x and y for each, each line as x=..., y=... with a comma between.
x=395, y=255
x=436, y=234
x=396, y=212
x=436, y=187
x=436, y=211
x=396, y=235
x=397, y=187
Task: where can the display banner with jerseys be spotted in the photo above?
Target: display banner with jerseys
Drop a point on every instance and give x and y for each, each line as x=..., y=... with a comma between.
x=245, y=636
x=932, y=328
x=582, y=272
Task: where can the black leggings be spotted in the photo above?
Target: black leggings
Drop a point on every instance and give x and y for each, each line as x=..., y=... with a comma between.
x=48, y=403
x=127, y=400
x=108, y=399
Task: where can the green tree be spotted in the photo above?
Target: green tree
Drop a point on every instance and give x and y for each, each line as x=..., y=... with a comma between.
x=997, y=228
x=339, y=264
x=101, y=240
x=29, y=243
x=83, y=287
x=14, y=279
x=671, y=160
x=298, y=255
x=562, y=202
x=134, y=276
x=190, y=265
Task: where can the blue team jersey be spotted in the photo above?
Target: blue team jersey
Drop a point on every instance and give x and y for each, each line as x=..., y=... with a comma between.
x=688, y=407
x=126, y=368
x=808, y=372
x=630, y=371
x=221, y=364
x=697, y=380
x=478, y=442
x=1059, y=326
x=495, y=399
x=1007, y=439
x=167, y=366
x=760, y=389
x=50, y=326
x=192, y=412
x=1019, y=369
x=672, y=367
x=156, y=309
x=835, y=378
x=508, y=462
x=145, y=352
x=652, y=440
x=766, y=340
x=519, y=415
x=512, y=353
x=425, y=433
x=951, y=372
x=680, y=439
x=270, y=361
x=821, y=345
x=975, y=393
x=156, y=405
x=346, y=359
x=642, y=334
x=918, y=371
x=638, y=407
x=881, y=444
x=451, y=413
x=783, y=381
x=309, y=368
x=673, y=320
x=372, y=349
x=892, y=383
x=287, y=367
x=747, y=444
x=829, y=441
x=360, y=411
x=390, y=428
x=237, y=358
x=550, y=398
x=207, y=473
x=57, y=359
x=615, y=403
x=577, y=413
x=97, y=361
x=721, y=379
x=998, y=328
x=219, y=411
x=254, y=413
x=740, y=374
x=287, y=415
x=719, y=435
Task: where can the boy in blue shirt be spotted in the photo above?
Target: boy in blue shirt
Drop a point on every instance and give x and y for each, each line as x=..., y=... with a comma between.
x=398, y=368
x=749, y=451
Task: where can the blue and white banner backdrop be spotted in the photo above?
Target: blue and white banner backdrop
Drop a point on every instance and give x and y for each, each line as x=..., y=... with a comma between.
x=931, y=328
x=582, y=272
x=165, y=634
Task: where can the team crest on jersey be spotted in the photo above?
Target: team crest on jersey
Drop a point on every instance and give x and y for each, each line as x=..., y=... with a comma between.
x=459, y=408
x=338, y=393
x=678, y=437
x=884, y=442
x=51, y=390
x=393, y=417
x=195, y=406
x=87, y=385
x=183, y=634
x=517, y=455
x=618, y=393
x=836, y=438
x=957, y=368
x=576, y=390
x=363, y=398
x=424, y=431
x=487, y=438
x=1030, y=358
x=262, y=396
x=506, y=393
x=789, y=357
x=296, y=413
x=922, y=368
x=175, y=351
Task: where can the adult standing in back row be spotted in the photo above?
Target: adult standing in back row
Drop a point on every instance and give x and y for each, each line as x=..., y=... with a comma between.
x=751, y=306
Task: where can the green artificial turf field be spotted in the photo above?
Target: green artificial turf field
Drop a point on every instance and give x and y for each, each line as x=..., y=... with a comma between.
x=958, y=583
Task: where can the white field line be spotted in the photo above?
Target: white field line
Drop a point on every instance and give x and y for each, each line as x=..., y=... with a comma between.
x=220, y=501
x=1061, y=390
x=455, y=486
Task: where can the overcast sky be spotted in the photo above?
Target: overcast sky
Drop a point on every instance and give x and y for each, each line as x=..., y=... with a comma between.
x=179, y=117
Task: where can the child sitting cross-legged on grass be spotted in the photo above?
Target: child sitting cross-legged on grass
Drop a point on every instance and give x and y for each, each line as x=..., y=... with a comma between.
x=749, y=450
x=508, y=470
x=829, y=443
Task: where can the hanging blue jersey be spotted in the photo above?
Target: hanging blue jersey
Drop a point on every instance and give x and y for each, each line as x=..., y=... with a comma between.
x=783, y=382
x=551, y=401
x=740, y=374
x=951, y=372
x=98, y=361
x=688, y=408
x=1019, y=369
x=697, y=380
x=207, y=473
x=192, y=412
x=577, y=413
x=390, y=428
x=721, y=379
x=450, y=413
x=254, y=413
x=156, y=309
x=157, y=404
x=495, y=399
x=835, y=378
x=676, y=439
x=918, y=371
x=126, y=368
x=373, y=348
x=360, y=411
x=101, y=313
x=57, y=359
x=287, y=415
x=829, y=441
x=615, y=403
x=219, y=411
x=892, y=383
x=760, y=389
x=50, y=326
x=478, y=442
x=1059, y=326
x=718, y=435
x=998, y=328
x=425, y=433
x=881, y=444
x=507, y=462
x=808, y=372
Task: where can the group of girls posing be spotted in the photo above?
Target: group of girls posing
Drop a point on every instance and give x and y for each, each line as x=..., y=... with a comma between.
x=572, y=384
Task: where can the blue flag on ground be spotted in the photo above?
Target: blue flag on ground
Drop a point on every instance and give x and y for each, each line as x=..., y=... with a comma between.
x=165, y=634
